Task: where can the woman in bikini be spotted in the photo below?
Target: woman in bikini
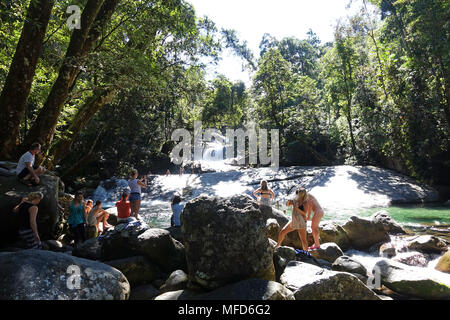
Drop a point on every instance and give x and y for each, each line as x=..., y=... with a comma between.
x=266, y=194
x=298, y=221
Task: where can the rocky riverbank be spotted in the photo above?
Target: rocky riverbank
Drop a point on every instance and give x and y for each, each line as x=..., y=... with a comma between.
x=225, y=250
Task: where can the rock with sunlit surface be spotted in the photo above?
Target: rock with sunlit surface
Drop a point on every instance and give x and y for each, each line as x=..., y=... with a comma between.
x=46, y=275
x=390, y=225
x=328, y=251
x=364, y=233
x=444, y=263
x=332, y=232
x=418, y=282
x=225, y=241
x=309, y=282
x=428, y=244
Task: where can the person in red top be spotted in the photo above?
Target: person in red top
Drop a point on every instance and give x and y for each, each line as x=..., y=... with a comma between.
x=123, y=209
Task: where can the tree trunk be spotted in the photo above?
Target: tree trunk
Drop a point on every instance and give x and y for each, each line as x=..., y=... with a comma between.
x=21, y=72
x=81, y=41
x=61, y=149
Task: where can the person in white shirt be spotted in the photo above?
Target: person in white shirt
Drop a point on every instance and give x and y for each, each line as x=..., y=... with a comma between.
x=26, y=171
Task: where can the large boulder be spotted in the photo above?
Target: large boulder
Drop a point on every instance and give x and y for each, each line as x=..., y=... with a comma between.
x=226, y=241
x=330, y=231
x=309, y=282
x=413, y=281
x=12, y=191
x=177, y=281
x=428, y=244
x=281, y=256
x=145, y=292
x=348, y=264
x=389, y=224
x=364, y=233
x=328, y=251
x=136, y=238
x=90, y=249
x=272, y=229
x=444, y=263
x=138, y=270
x=47, y=275
x=250, y=289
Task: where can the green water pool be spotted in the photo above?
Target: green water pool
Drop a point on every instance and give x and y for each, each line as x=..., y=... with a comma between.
x=406, y=214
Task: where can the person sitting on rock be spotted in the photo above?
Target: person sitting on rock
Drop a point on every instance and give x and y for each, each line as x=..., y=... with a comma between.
x=177, y=208
x=298, y=221
x=27, y=172
x=28, y=210
x=97, y=215
x=88, y=206
x=266, y=194
x=123, y=209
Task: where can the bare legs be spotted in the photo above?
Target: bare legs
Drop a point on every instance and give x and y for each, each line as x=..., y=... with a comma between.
x=135, y=206
x=315, y=228
x=301, y=232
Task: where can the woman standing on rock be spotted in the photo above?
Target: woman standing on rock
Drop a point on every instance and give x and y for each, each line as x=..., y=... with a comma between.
x=77, y=218
x=28, y=211
x=298, y=221
x=310, y=204
x=266, y=194
x=135, y=185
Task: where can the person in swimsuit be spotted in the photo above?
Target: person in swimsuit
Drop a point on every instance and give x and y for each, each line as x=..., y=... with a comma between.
x=28, y=210
x=311, y=204
x=135, y=185
x=298, y=222
x=266, y=194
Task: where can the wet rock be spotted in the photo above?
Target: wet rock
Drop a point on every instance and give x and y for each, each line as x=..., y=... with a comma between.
x=428, y=244
x=413, y=258
x=413, y=281
x=47, y=275
x=226, y=241
x=309, y=282
x=387, y=250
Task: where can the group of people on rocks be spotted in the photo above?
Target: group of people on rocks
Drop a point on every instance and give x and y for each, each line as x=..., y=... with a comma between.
x=303, y=205
x=84, y=214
